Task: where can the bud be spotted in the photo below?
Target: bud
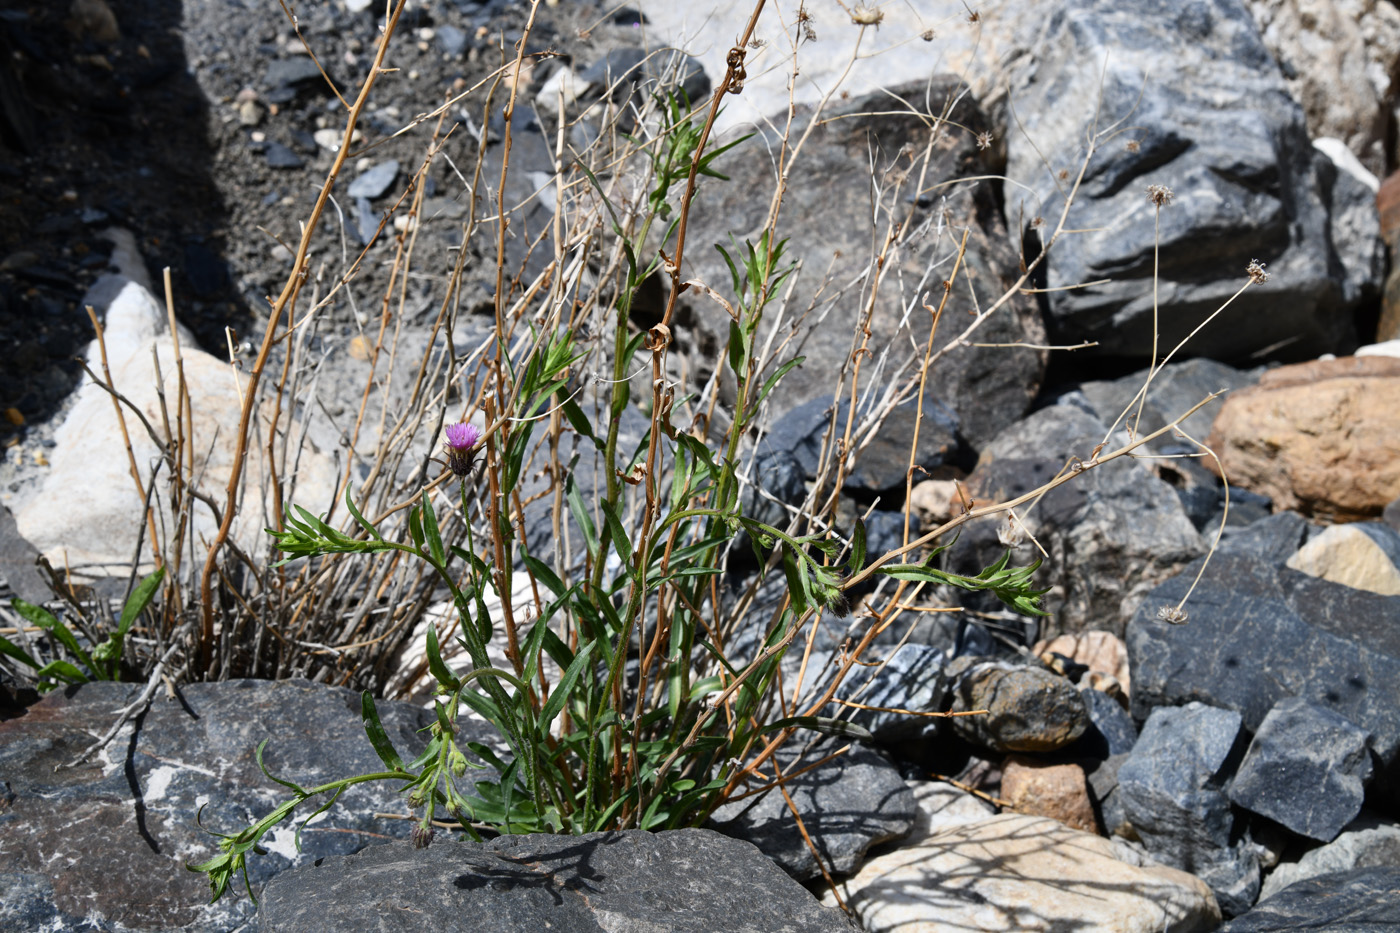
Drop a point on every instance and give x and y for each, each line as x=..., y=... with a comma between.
x=458, y=763
x=423, y=835
x=417, y=798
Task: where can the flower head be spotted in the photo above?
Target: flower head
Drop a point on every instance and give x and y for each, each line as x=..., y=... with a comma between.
x=462, y=439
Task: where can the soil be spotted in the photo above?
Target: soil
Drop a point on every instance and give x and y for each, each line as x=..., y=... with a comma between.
x=196, y=130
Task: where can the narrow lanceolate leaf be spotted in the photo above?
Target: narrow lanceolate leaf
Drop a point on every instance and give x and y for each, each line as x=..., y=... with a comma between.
x=262, y=767
x=364, y=522
x=12, y=650
x=377, y=736
x=431, y=533
x=826, y=725
x=435, y=663
x=555, y=704
x=139, y=599
x=49, y=623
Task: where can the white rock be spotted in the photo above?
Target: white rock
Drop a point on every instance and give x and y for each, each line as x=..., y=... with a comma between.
x=1346, y=160
x=1386, y=348
x=1023, y=873
x=1370, y=840
x=942, y=806
x=1347, y=555
x=563, y=81
x=88, y=513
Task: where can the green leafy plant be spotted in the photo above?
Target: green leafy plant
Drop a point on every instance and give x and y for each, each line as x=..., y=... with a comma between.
x=79, y=665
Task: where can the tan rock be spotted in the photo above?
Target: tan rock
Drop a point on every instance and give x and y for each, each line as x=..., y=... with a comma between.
x=1347, y=555
x=943, y=806
x=1020, y=873
x=1059, y=791
x=934, y=500
x=1320, y=437
x=93, y=19
x=1102, y=652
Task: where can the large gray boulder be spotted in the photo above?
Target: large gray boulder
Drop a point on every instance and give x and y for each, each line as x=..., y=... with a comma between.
x=1256, y=633
x=105, y=844
x=686, y=881
x=1365, y=900
x=1201, y=108
x=835, y=234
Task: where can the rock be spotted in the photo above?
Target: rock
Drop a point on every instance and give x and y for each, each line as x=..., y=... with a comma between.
x=451, y=40
x=913, y=678
x=375, y=182
x=1362, y=556
x=249, y=113
x=883, y=456
x=108, y=841
x=1173, y=789
x=687, y=880
x=1387, y=348
x=1111, y=729
x=1320, y=437
x=1029, y=708
x=94, y=20
x=1108, y=801
x=1220, y=127
x=280, y=156
x=19, y=572
x=935, y=501
x=630, y=69
x=1349, y=191
x=847, y=805
x=292, y=72
x=1339, y=59
x=87, y=513
x=1306, y=769
x=943, y=806
x=1098, y=651
x=778, y=475
x=1257, y=633
x=1391, y=515
x=1112, y=533
x=1038, y=788
x=1014, y=872
x=987, y=388
x=1275, y=539
x=1368, y=841
x=1363, y=900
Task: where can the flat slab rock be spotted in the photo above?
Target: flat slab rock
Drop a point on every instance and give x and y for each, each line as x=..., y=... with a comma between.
x=103, y=847
x=1366, y=900
x=685, y=881
x=1015, y=873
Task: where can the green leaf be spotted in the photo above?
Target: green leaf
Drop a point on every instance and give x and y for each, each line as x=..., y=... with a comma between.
x=136, y=603
x=857, y=562
x=772, y=380
x=440, y=670
x=581, y=517
x=560, y=695
x=415, y=527
x=826, y=725
x=376, y=734
x=12, y=650
x=617, y=533
x=63, y=671
x=364, y=522
x=431, y=532
x=49, y=623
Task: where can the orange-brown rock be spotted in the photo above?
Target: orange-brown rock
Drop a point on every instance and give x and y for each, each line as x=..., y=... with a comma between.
x=1035, y=788
x=1320, y=437
x=1102, y=652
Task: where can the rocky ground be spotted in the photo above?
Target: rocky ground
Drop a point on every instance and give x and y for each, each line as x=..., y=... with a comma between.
x=1205, y=731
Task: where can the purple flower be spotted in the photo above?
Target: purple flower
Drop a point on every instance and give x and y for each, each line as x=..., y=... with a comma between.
x=462, y=439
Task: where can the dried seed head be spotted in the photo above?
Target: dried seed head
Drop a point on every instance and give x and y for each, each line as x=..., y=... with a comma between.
x=927, y=35
x=1011, y=534
x=1132, y=145
x=984, y=140
x=1257, y=275
x=863, y=15
x=1173, y=614
x=1160, y=195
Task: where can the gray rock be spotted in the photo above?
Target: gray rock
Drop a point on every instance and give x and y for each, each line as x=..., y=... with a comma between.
x=1112, y=533
x=451, y=40
x=1391, y=515
x=1306, y=769
x=847, y=805
x=1368, y=841
x=18, y=569
x=374, y=182
x=686, y=881
x=1355, y=225
x=911, y=679
x=778, y=474
x=1174, y=793
x=280, y=156
x=108, y=841
x=987, y=388
x=1173, y=391
x=1029, y=709
x=289, y=72
x=1107, y=800
x=1258, y=633
x=1366, y=900
x=1274, y=539
x=630, y=68
x=1111, y=728
x=1219, y=127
